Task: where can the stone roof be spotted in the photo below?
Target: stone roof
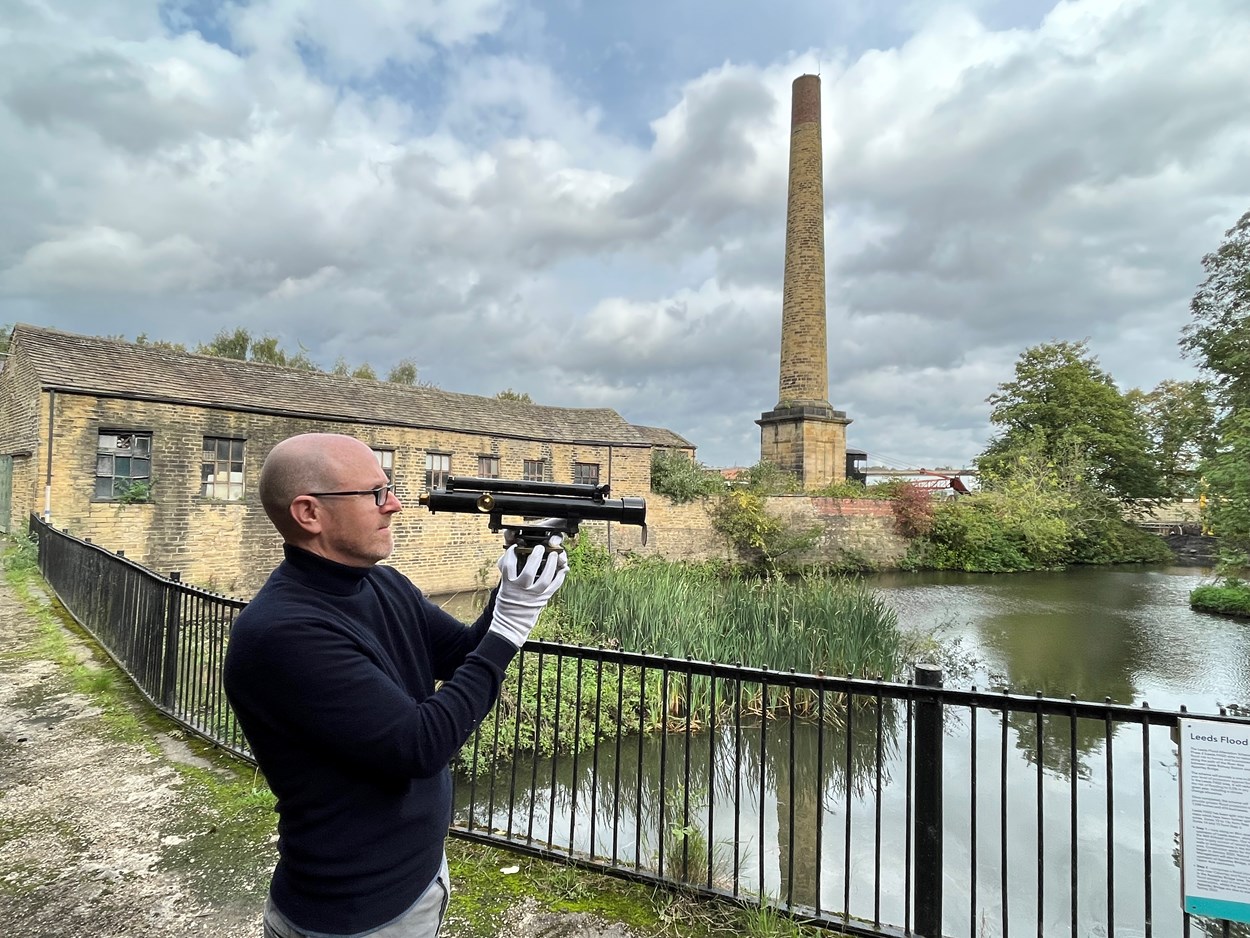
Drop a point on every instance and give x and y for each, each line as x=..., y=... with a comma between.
x=658, y=436
x=82, y=364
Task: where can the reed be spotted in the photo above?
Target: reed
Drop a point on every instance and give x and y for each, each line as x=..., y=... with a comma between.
x=811, y=624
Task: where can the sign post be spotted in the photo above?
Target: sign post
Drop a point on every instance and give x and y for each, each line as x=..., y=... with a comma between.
x=1215, y=818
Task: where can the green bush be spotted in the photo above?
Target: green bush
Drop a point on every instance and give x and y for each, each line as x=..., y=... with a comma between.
x=970, y=534
x=20, y=553
x=765, y=478
x=1004, y=530
x=742, y=517
x=681, y=478
x=1231, y=597
x=852, y=488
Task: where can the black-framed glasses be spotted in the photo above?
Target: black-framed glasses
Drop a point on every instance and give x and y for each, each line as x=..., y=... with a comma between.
x=379, y=494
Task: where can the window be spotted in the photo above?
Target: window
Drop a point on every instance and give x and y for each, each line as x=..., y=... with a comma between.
x=488, y=467
x=533, y=470
x=222, y=468
x=123, y=465
x=437, y=469
x=386, y=459
x=586, y=473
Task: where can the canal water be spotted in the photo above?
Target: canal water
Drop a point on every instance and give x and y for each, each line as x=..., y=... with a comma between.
x=1124, y=633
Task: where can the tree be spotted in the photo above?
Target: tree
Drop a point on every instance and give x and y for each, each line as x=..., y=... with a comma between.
x=142, y=339
x=521, y=397
x=228, y=344
x=1219, y=339
x=1180, y=421
x=241, y=345
x=1062, y=398
x=403, y=371
x=1227, y=479
x=1219, y=335
x=365, y=370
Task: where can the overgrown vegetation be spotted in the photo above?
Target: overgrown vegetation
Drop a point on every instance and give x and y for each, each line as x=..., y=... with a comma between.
x=136, y=492
x=742, y=516
x=482, y=897
x=1035, y=511
x=706, y=612
x=681, y=478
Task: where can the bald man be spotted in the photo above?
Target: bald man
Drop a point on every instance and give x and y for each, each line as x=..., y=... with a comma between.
x=331, y=671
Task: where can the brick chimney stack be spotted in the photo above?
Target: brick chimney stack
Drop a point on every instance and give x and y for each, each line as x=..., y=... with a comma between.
x=803, y=433
x=804, y=362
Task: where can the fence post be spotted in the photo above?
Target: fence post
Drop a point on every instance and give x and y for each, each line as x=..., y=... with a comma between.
x=169, y=667
x=927, y=829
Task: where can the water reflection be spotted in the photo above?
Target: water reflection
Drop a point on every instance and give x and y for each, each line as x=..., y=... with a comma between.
x=1121, y=632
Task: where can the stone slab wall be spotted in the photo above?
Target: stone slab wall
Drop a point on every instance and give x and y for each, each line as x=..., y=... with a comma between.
x=853, y=531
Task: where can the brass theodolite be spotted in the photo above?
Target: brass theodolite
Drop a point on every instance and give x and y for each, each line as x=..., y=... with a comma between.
x=544, y=508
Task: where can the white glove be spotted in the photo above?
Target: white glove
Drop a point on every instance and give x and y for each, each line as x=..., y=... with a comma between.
x=523, y=594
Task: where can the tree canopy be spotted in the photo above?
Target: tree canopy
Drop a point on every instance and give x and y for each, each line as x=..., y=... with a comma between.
x=1219, y=335
x=1219, y=339
x=1064, y=404
x=521, y=397
x=240, y=344
x=1180, y=422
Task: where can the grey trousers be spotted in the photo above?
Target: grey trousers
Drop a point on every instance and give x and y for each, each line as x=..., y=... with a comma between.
x=422, y=920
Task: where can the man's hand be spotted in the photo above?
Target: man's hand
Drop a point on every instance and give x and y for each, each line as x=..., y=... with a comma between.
x=524, y=593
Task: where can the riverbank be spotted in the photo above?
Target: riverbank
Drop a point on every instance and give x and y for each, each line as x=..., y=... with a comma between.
x=115, y=824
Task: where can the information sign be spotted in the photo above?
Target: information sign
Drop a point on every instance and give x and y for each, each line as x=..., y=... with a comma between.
x=1215, y=818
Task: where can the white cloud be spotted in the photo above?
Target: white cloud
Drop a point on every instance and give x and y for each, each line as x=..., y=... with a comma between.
x=353, y=40
x=425, y=180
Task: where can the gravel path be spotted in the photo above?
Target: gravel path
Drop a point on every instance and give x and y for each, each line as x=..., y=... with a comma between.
x=98, y=833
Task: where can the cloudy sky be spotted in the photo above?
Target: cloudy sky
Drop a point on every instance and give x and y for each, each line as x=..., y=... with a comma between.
x=586, y=200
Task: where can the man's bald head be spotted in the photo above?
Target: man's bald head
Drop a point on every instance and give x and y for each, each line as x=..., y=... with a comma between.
x=310, y=462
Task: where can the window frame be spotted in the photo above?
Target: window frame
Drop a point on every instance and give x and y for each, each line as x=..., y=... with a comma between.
x=132, y=453
x=210, y=484
x=487, y=466
x=385, y=456
x=577, y=480
x=528, y=472
x=436, y=477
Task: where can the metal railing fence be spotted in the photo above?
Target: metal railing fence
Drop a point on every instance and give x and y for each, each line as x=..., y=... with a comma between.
x=169, y=638
x=874, y=808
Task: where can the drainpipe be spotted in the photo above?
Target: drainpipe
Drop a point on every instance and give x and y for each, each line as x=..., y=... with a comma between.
x=610, y=482
x=47, y=486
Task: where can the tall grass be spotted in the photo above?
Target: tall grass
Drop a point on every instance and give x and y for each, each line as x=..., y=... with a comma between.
x=811, y=624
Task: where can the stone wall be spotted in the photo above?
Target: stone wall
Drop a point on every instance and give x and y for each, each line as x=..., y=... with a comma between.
x=853, y=531
x=19, y=437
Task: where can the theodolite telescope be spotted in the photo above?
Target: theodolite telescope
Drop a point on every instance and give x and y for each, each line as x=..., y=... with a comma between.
x=545, y=508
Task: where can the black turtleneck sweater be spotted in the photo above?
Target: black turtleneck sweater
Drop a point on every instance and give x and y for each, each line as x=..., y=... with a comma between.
x=331, y=670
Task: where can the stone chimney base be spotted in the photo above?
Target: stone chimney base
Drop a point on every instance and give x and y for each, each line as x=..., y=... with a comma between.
x=806, y=439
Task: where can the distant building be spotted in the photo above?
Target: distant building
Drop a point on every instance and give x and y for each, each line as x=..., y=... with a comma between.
x=158, y=453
